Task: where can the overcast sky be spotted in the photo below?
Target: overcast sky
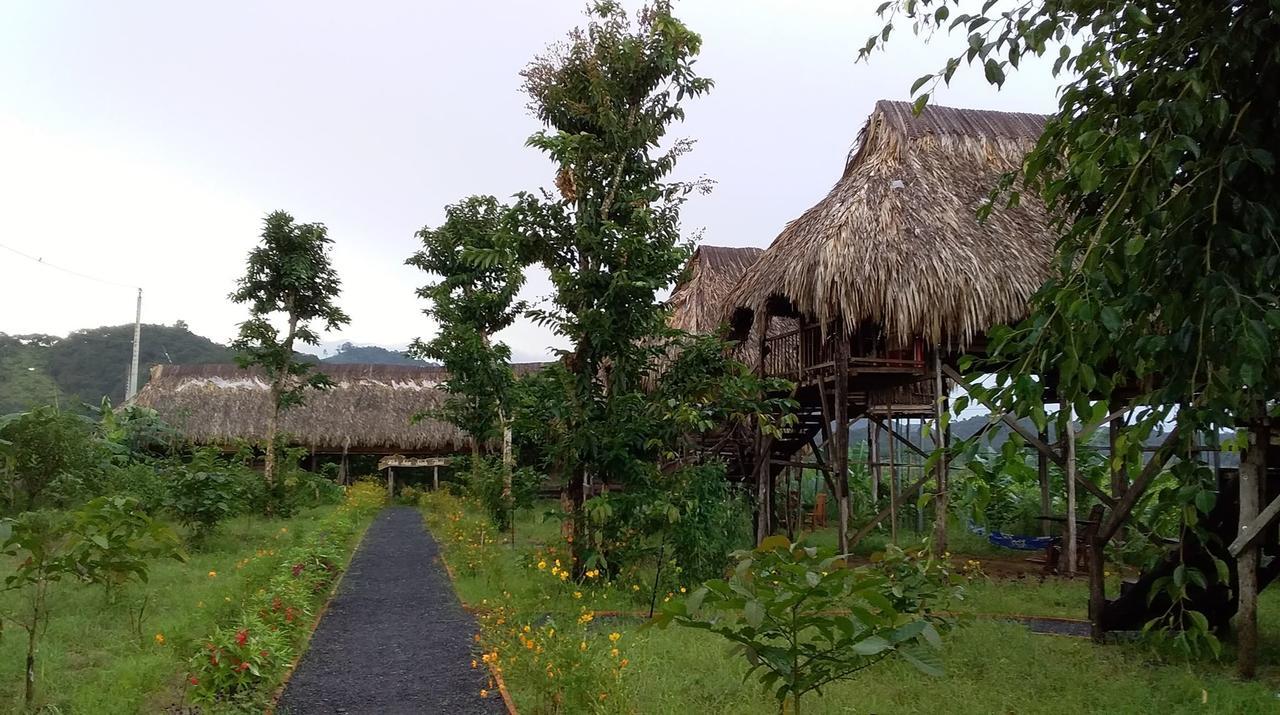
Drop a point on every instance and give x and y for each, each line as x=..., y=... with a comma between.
x=143, y=142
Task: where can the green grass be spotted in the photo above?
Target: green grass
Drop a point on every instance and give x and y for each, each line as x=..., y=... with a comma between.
x=90, y=659
x=991, y=666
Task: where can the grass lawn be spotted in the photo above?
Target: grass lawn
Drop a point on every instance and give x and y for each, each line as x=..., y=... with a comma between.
x=991, y=666
x=91, y=659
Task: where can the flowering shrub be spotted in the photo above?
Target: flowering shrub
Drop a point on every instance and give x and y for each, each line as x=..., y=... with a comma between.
x=570, y=667
x=235, y=663
x=470, y=541
x=236, y=659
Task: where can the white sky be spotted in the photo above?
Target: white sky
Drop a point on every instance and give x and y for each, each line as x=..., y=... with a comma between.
x=143, y=142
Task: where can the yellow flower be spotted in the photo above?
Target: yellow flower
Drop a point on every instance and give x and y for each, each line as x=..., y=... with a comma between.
x=159, y=639
x=564, y=575
x=582, y=646
x=542, y=565
x=227, y=599
x=585, y=618
x=603, y=696
x=615, y=636
x=623, y=663
x=213, y=574
x=484, y=693
x=526, y=628
x=613, y=653
x=551, y=633
x=577, y=594
x=474, y=664
x=635, y=587
x=682, y=590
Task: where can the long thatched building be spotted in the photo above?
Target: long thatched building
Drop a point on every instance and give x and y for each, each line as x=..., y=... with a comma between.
x=369, y=410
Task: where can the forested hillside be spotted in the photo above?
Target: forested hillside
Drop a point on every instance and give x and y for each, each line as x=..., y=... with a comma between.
x=370, y=354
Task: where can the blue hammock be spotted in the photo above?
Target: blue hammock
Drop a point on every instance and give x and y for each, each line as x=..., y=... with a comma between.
x=1014, y=541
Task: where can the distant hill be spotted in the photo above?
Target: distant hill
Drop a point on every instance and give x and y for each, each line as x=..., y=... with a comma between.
x=370, y=354
x=89, y=364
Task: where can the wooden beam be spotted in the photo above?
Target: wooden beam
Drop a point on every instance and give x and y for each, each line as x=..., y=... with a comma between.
x=1030, y=438
x=903, y=440
x=1249, y=533
x=900, y=501
x=1121, y=509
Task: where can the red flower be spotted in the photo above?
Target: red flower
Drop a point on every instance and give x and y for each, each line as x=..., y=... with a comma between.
x=241, y=636
x=288, y=614
x=193, y=680
x=297, y=569
x=276, y=603
x=243, y=667
x=213, y=659
x=263, y=653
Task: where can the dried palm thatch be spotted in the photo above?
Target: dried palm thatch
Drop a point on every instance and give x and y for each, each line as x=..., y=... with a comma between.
x=698, y=304
x=370, y=409
x=896, y=241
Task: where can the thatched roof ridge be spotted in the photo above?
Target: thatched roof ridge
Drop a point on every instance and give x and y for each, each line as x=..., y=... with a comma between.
x=370, y=408
x=698, y=302
x=896, y=241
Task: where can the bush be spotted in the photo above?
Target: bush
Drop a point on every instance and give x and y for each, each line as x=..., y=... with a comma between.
x=202, y=495
x=143, y=482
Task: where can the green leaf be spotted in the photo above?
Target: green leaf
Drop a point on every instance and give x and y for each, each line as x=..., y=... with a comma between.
x=994, y=72
x=874, y=645
x=753, y=612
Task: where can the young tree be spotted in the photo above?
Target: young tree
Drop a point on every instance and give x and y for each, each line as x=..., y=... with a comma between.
x=288, y=274
x=611, y=239
x=43, y=448
x=473, y=300
x=1159, y=170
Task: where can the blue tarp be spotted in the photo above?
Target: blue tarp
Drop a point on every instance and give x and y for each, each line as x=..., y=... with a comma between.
x=1014, y=541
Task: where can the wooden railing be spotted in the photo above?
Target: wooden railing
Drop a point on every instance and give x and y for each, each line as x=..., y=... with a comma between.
x=804, y=352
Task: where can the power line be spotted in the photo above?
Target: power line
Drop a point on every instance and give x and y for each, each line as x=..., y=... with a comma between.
x=78, y=274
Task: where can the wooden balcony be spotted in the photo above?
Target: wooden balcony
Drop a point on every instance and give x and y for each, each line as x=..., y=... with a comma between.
x=804, y=355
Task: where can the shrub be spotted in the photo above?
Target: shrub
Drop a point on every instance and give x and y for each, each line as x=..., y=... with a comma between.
x=803, y=618
x=51, y=457
x=236, y=659
x=202, y=495
x=140, y=481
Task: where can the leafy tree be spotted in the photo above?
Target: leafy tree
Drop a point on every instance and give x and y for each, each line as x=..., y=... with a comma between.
x=288, y=274
x=480, y=276
x=203, y=494
x=1159, y=171
x=611, y=238
x=108, y=541
x=47, y=448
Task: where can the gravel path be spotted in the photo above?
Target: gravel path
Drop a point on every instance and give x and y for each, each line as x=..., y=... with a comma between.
x=395, y=638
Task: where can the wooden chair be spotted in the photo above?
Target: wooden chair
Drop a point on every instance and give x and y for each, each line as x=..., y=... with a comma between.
x=818, y=517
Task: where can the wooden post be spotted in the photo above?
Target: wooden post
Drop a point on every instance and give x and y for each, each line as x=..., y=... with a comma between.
x=762, y=466
x=391, y=483
x=1253, y=467
x=942, y=404
x=1069, y=550
x=435, y=477
x=344, y=467
x=894, y=486
x=1046, y=500
x=1097, y=574
x=508, y=467
x=873, y=459
x=840, y=439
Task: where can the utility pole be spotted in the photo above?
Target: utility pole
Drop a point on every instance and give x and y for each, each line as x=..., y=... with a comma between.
x=132, y=388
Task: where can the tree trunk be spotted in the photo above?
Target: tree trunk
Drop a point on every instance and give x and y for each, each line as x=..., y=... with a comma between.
x=277, y=389
x=508, y=467
x=37, y=611
x=873, y=459
x=1069, y=550
x=894, y=485
x=1252, y=476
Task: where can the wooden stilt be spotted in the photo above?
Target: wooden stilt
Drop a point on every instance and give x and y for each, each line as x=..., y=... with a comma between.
x=391, y=483
x=1252, y=476
x=894, y=486
x=873, y=459
x=1069, y=550
x=840, y=439
x=940, y=433
x=1046, y=499
x=435, y=477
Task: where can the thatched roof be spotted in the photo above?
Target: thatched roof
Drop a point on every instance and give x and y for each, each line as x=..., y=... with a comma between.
x=370, y=409
x=698, y=304
x=896, y=241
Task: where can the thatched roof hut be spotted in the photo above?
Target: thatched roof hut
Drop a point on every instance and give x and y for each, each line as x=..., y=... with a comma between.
x=369, y=410
x=896, y=242
x=699, y=303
